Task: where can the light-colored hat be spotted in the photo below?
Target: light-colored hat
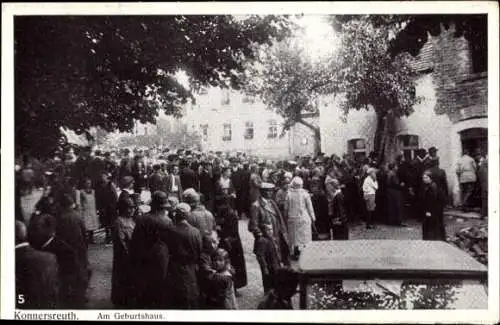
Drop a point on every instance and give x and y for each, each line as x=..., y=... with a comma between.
x=190, y=196
x=297, y=182
x=183, y=208
x=266, y=186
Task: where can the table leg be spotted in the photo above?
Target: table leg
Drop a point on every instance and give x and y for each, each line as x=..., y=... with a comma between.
x=303, y=292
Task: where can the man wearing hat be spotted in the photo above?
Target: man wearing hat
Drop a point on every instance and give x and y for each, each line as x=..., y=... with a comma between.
x=150, y=254
x=173, y=182
x=431, y=157
x=200, y=217
x=188, y=177
x=207, y=185
x=185, y=246
x=264, y=211
x=106, y=201
x=158, y=180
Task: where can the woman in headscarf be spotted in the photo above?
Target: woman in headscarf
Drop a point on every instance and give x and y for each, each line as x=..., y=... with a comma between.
x=280, y=196
x=432, y=208
x=299, y=214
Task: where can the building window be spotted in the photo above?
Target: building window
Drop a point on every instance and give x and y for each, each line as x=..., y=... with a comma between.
x=408, y=145
x=248, y=130
x=273, y=129
x=204, y=132
x=248, y=99
x=357, y=149
x=227, y=132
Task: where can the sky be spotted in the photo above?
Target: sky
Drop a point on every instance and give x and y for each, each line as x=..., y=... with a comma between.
x=317, y=36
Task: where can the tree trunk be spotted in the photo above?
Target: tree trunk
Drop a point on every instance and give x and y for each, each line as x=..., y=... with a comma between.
x=317, y=135
x=384, y=137
x=378, y=146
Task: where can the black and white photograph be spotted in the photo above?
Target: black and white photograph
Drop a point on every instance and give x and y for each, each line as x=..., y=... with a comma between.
x=189, y=159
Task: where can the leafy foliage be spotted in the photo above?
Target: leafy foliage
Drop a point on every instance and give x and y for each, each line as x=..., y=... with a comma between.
x=325, y=295
x=109, y=71
x=367, y=75
x=411, y=31
x=288, y=82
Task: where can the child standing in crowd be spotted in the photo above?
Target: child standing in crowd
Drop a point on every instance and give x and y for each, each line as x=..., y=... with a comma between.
x=280, y=297
x=215, y=277
x=268, y=256
x=370, y=186
x=222, y=267
x=88, y=209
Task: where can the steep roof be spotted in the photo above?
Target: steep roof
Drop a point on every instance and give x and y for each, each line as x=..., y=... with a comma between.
x=424, y=60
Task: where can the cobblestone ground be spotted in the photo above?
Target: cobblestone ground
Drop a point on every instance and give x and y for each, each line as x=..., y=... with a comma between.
x=101, y=259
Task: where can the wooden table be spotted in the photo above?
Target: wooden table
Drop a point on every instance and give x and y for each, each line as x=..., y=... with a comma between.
x=385, y=259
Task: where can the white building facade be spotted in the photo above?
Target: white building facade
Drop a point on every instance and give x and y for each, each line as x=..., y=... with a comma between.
x=449, y=79
x=228, y=121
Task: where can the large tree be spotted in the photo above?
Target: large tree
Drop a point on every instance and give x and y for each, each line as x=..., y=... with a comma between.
x=409, y=33
x=286, y=79
x=110, y=71
x=368, y=76
x=372, y=43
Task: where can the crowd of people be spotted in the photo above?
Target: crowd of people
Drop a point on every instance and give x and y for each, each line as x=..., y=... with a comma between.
x=181, y=248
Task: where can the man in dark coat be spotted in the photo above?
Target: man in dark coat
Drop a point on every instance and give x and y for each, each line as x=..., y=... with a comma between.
x=264, y=211
x=73, y=275
x=243, y=194
x=268, y=255
x=207, y=186
x=482, y=174
x=237, y=183
x=416, y=173
x=36, y=274
x=106, y=200
x=71, y=230
x=438, y=175
x=158, y=180
x=185, y=246
x=150, y=254
x=82, y=166
x=139, y=172
x=188, y=177
x=125, y=168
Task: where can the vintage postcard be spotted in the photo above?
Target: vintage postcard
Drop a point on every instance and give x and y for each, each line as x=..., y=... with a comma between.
x=243, y=161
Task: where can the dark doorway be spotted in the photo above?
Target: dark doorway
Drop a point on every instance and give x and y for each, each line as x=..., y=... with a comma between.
x=475, y=140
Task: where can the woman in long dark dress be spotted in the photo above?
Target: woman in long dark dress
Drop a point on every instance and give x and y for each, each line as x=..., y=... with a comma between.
x=394, y=197
x=432, y=210
x=121, y=289
x=230, y=240
x=320, y=206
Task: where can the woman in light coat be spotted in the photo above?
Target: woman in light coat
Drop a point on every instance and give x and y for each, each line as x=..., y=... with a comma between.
x=299, y=213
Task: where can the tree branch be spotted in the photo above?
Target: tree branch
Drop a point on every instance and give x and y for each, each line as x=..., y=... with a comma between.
x=309, y=125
